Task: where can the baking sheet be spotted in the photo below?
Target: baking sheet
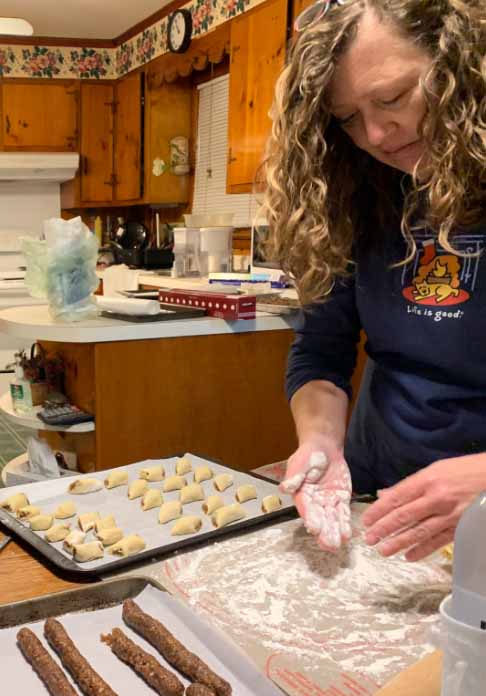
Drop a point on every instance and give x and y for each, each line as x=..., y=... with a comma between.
x=129, y=515
x=85, y=628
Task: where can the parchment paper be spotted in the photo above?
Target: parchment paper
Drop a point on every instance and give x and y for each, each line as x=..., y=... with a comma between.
x=85, y=629
x=129, y=514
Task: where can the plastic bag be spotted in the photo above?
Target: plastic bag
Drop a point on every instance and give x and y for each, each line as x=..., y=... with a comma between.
x=63, y=268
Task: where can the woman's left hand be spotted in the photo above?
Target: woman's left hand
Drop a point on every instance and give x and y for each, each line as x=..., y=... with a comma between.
x=420, y=514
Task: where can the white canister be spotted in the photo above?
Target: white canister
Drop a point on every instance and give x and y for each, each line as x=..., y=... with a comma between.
x=464, y=648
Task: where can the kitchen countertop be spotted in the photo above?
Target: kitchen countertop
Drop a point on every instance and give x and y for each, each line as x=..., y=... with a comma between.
x=35, y=323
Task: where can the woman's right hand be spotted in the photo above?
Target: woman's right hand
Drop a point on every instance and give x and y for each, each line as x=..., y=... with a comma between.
x=320, y=481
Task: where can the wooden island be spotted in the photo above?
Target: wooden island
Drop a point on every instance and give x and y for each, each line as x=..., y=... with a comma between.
x=157, y=389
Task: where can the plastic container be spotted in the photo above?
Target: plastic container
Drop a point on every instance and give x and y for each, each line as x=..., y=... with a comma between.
x=218, y=243
x=209, y=220
x=464, y=648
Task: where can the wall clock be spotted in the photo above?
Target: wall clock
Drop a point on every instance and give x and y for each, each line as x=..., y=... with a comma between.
x=179, y=31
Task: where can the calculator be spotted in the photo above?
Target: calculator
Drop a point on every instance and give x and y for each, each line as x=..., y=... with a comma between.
x=63, y=414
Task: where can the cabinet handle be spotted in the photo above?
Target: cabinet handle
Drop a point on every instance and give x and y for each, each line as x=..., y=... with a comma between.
x=230, y=158
x=7, y=124
x=111, y=181
x=85, y=165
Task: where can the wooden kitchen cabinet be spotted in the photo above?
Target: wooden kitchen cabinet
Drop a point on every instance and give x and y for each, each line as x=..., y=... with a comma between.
x=96, y=142
x=111, y=145
x=168, y=116
x=258, y=41
x=39, y=115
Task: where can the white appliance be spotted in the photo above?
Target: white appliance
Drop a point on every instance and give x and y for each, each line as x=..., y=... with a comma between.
x=29, y=194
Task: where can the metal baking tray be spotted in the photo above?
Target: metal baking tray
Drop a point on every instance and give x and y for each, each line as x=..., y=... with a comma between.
x=168, y=313
x=48, y=494
x=90, y=611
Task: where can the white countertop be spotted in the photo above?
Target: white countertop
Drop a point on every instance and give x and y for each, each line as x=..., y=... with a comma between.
x=35, y=323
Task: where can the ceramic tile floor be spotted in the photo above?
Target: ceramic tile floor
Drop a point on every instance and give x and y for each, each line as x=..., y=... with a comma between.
x=13, y=440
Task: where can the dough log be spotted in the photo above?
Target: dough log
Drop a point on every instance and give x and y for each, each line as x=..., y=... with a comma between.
x=84, y=675
x=39, y=523
x=199, y=690
x=159, y=678
x=65, y=510
x=222, y=482
x=88, y=552
x=137, y=488
x=271, y=503
x=47, y=669
x=128, y=545
x=212, y=503
x=57, y=532
x=173, y=483
x=172, y=650
x=202, y=473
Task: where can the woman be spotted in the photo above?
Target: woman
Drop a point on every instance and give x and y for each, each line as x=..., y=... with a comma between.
x=376, y=201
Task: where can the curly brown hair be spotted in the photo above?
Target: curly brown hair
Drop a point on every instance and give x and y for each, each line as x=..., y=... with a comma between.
x=322, y=191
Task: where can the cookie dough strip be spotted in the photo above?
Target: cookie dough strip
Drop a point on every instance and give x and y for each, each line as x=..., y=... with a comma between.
x=48, y=670
x=85, y=676
x=199, y=690
x=172, y=650
x=159, y=678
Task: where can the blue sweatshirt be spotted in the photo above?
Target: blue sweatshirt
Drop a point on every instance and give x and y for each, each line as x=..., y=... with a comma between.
x=425, y=393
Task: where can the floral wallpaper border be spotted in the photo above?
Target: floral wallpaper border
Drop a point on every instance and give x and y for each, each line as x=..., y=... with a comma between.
x=111, y=63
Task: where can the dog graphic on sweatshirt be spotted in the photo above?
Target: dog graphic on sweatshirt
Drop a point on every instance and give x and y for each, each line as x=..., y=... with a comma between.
x=438, y=279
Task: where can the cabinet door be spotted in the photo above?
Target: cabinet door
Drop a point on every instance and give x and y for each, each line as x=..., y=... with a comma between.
x=258, y=40
x=96, y=142
x=39, y=115
x=168, y=116
x=128, y=138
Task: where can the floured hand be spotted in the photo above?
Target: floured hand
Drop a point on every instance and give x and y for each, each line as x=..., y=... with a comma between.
x=321, y=485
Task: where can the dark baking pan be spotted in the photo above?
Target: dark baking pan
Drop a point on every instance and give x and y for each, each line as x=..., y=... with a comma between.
x=68, y=565
x=169, y=313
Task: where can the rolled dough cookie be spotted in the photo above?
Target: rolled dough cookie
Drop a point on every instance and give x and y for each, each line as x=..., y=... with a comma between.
x=183, y=466
x=40, y=523
x=202, y=473
x=170, y=511
x=151, y=499
x=107, y=522
x=73, y=539
x=223, y=481
x=88, y=552
x=109, y=536
x=174, y=483
x=87, y=521
x=25, y=513
x=152, y=473
x=270, y=503
x=116, y=478
x=190, y=524
x=128, y=545
x=137, y=488
x=57, y=532
x=246, y=492
x=228, y=514
x=15, y=502
x=192, y=493
x=212, y=503
x=88, y=485
x=65, y=510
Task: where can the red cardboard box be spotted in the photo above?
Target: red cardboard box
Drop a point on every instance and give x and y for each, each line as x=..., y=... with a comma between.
x=216, y=304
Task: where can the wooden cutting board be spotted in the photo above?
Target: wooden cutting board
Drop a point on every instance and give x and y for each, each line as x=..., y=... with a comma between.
x=421, y=679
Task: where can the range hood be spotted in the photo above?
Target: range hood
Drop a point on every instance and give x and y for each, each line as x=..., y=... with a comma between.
x=38, y=166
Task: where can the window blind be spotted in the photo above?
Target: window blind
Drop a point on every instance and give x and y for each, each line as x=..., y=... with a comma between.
x=211, y=158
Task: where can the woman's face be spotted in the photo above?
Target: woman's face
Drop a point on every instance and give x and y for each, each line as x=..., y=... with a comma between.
x=376, y=95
